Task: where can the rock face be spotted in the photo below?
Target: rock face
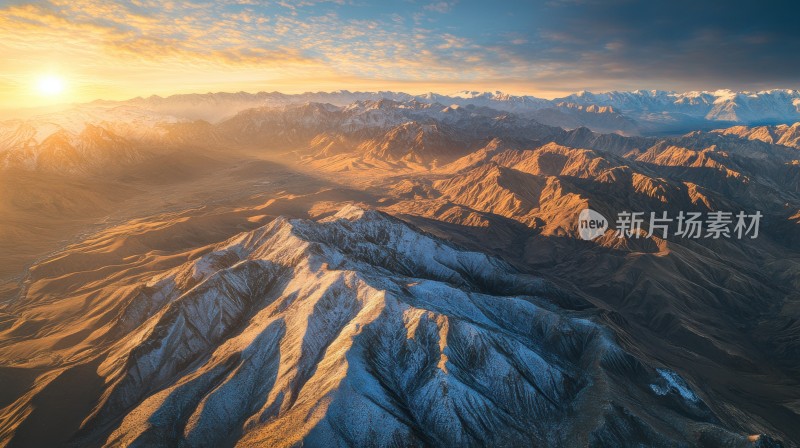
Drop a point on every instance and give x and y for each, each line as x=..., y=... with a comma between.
x=782, y=134
x=359, y=330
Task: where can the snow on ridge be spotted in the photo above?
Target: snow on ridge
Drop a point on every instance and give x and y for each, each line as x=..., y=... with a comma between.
x=310, y=328
x=673, y=382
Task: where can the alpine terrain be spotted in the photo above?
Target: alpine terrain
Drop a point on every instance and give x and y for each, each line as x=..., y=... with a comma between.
x=379, y=269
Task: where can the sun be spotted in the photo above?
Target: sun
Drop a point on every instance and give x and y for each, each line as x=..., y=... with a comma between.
x=50, y=85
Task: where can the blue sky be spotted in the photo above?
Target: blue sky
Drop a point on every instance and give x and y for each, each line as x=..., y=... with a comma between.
x=106, y=49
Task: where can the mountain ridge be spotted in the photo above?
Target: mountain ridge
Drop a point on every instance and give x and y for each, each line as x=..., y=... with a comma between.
x=637, y=112
x=358, y=321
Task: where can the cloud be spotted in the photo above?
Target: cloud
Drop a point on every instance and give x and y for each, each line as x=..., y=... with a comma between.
x=440, y=7
x=553, y=45
x=113, y=32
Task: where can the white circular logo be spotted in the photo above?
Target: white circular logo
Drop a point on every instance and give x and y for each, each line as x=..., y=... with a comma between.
x=591, y=224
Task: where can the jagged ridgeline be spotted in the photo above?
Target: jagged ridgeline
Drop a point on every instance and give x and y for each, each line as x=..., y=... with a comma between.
x=356, y=330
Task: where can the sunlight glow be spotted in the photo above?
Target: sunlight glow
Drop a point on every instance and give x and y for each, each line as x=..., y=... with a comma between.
x=50, y=85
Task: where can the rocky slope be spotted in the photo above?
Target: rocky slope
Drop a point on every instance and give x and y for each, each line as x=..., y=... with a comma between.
x=356, y=330
x=786, y=135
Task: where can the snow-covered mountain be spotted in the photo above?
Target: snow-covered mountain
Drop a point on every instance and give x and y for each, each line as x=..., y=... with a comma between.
x=653, y=108
x=358, y=330
x=496, y=100
x=656, y=106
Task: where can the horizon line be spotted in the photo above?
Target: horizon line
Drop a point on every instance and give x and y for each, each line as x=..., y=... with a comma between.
x=397, y=92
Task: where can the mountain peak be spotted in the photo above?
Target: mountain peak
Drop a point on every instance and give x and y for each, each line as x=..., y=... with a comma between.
x=352, y=212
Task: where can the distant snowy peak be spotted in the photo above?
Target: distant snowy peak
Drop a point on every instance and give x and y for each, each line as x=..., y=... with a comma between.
x=650, y=107
x=496, y=100
x=638, y=112
x=366, y=114
x=720, y=105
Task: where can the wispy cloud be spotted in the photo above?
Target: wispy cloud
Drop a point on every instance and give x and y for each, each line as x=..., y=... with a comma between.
x=238, y=34
x=440, y=7
x=557, y=45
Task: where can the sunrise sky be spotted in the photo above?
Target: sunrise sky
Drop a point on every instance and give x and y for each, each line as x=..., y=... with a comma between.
x=78, y=50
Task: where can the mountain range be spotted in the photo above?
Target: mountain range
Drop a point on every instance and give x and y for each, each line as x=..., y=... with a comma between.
x=381, y=269
x=640, y=112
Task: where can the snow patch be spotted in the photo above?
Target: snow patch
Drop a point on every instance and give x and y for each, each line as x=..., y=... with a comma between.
x=674, y=383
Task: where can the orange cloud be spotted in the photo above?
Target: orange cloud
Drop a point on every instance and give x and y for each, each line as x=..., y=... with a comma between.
x=115, y=49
